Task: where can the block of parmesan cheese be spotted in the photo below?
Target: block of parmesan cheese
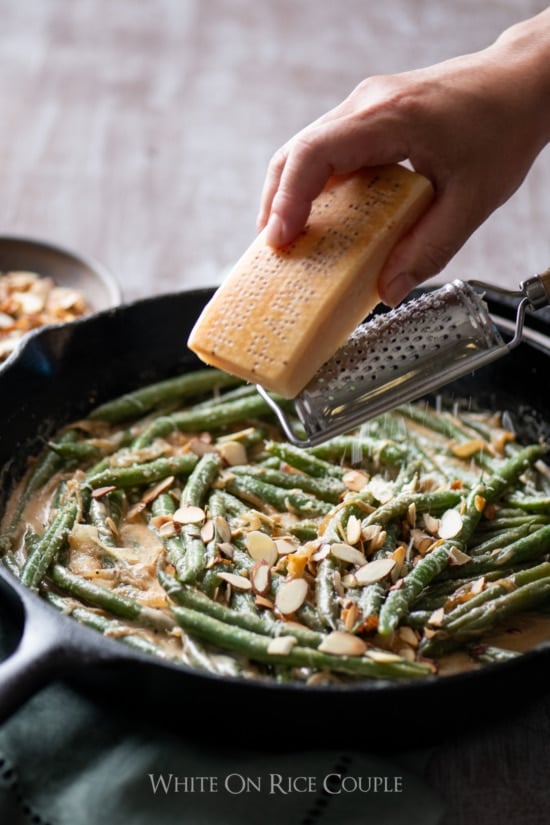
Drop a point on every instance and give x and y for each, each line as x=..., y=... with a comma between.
x=281, y=313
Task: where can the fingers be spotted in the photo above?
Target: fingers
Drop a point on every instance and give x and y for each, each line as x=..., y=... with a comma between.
x=300, y=170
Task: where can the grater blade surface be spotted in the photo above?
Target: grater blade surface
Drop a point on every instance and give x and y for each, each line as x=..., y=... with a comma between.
x=398, y=356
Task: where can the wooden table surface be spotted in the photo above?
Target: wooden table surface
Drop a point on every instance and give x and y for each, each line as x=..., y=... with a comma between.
x=138, y=131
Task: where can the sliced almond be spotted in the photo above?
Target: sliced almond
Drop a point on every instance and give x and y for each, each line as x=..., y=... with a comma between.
x=207, y=531
x=159, y=488
x=374, y=571
x=261, y=547
x=355, y=480
x=479, y=503
x=260, y=577
x=457, y=557
x=291, y=596
x=431, y=524
x=233, y=453
x=284, y=547
x=371, y=531
x=236, y=581
x=408, y=635
x=450, y=524
x=346, y=553
x=321, y=553
x=281, y=645
x=99, y=492
x=222, y=528
x=226, y=549
x=189, y=515
x=261, y=601
x=340, y=643
x=383, y=656
x=353, y=530
x=467, y=449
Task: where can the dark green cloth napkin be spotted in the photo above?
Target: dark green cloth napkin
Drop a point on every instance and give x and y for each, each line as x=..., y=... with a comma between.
x=67, y=761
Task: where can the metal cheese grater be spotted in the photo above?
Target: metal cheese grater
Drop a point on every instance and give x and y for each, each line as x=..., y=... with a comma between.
x=404, y=354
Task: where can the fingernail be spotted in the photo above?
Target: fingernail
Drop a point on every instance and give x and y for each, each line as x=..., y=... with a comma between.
x=392, y=293
x=274, y=230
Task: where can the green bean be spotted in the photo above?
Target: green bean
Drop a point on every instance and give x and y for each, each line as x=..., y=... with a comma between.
x=356, y=449
x=191, y=565
x=212, y=418
x=49, y=546
x=263, y=623
x=200, y=480
x=397, y=507
x=303, y=460
x=142, y=474
x=491, y=654
x=256, y=491
x=398, y=601
x=525, y=549
x=256, y=646
x=329, y=489
x=108, y=627
x=110, y=600
x=489, y=615
x=326, y=600
x=45, y=468
x=135, y=404
x=459, y=615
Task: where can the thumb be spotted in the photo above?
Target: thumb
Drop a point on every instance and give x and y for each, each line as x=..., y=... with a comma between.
x=425, y=250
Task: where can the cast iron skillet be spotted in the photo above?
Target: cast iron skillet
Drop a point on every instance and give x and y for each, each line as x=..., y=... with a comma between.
x=58, y=375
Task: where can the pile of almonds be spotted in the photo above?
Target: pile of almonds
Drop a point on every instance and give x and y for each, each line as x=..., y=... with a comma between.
x=28, y=301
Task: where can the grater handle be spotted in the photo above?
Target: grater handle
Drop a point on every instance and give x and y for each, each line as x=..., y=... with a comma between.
x=537, y=290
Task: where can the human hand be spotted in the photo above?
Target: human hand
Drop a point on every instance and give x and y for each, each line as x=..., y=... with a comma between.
x=473, y=125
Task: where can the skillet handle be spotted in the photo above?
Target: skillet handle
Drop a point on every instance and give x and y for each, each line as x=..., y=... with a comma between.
x=39, y=657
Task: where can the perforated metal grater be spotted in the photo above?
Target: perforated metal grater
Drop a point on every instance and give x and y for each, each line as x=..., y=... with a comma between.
x=404, y=354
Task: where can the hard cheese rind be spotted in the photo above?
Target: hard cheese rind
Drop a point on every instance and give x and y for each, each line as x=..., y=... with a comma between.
x=280, y=314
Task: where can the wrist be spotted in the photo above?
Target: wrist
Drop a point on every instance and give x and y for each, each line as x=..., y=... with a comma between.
x=524, y=50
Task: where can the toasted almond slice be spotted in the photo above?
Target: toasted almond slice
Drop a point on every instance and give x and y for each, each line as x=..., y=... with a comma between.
x=260, y=576
x=261, y=601
x=167, y=529
x=233, y=453
x=437, y=618
x=284, y=547
x=383, y=656
x=450, y=524
x=207, y=531
x=159, y=488
x=222, y=528
x=189, y=515
x=339, y=643
x=371, y=531
x=261, y=547
x=408, y=635
x=457, y=557
x=469, y=448
x=345, y=552
x=281, y=645
x=355, y=480
x=374, y=571
x=431, y=524
x=479, y=503
x=353, y=530
x=291, y=596
x=99, y=492
x=321, y=553
x=238, y=582
x=226, y=548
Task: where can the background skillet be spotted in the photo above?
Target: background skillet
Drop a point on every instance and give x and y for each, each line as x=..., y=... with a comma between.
x=59, y=375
